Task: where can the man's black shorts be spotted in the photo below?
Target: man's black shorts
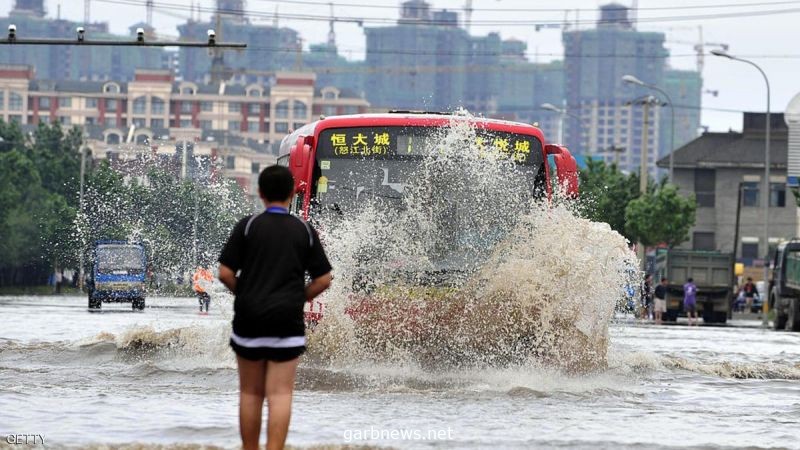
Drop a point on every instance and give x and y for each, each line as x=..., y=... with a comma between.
x=268, y=353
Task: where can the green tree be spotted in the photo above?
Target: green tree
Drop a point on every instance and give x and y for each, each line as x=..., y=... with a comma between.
x=660, y=216
x=605, y=192
x=29, y=215
x=57, y=156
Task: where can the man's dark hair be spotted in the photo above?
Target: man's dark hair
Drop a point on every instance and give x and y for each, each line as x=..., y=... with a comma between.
x=276, y=183
x=664, y=279
x=749, y=278
x=690, y=280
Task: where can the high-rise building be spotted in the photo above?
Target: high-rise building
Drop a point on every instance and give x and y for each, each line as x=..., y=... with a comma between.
x=685, y=88
x=269, y=47
x=605, y=112
x=526, y=86
x=69, y=62
x=419, y=62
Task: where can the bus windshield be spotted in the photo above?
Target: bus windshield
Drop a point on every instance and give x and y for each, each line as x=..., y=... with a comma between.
x=361, y=164
x=113, y=258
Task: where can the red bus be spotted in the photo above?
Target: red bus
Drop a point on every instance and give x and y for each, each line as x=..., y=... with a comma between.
x=320, y=153
x=337, y=160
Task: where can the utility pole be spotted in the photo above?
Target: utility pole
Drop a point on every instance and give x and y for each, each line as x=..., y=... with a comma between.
x=80, y=214
x=643, y=155
x=640, y=253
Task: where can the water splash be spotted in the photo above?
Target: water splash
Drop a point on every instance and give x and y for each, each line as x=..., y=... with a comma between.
x=518, y=281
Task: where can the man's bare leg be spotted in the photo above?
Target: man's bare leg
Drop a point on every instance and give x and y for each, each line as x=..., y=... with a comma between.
x=279, y=388
x=251, y=400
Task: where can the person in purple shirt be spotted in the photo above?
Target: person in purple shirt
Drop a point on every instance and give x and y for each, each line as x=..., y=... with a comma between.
x=690, y=301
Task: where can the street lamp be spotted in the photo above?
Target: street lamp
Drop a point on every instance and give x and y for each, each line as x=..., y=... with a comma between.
x=561, y=113
x=724, y=54
x=633, y=80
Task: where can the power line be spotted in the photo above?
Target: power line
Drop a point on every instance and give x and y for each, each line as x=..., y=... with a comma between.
x=527, y=23
x=622, y=8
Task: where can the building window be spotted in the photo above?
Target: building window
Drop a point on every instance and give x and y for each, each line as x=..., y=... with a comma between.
x=777, y=195
x=255, y=168
x=282, y=109
x=329, y=95
x=157, y=123
x=254, y=108
x=157, y=105
x=91, y=103
x=750, y=250
x=351, y=109
x=186, y=107
x=14, y=102
x=329, y=110
x=142, y=139
x=111, y=104
x=254, y=93
x=111, y=88
x=187, y=90
x=2, y=99
x=139, y=105
x=112, y=138
x=300, y=109
x=750, y=193
x=205, y=124
x=705, y=187
x=185, y=123
x=230, y=162
x=234, y=107
x=206, y=106
x=281, y=127
x=703, y=240
x=252, y=127
x=91, y=120
x=65, y=120
x=44, y=102
x=15, y=118
x=138, y=123
x=234, y=125
x=65, y=102
x=298, y=125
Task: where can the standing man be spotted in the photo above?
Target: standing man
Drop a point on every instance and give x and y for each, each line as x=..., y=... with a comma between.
x=264, y=264
x=661, y=300
x=201, y=280
x=690, y=301
x=750, y=291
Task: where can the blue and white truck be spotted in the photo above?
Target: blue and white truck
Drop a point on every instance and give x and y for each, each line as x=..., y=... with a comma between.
x=118, y=274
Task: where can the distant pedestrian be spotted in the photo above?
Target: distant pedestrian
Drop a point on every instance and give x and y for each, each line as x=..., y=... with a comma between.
x=750, y=291
x=201, y=282
x=660, y=306
x=59, y=279
x=690, y=301
x=271, y=252
x=647, y=297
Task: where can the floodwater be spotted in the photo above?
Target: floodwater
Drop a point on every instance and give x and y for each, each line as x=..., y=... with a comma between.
x=165, y=376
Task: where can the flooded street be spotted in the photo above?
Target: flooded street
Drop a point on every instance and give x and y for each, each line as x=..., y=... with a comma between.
x=167, y=376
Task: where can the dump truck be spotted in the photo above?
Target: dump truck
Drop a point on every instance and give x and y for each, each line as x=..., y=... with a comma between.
x=712, y=272
x=118, y=274
x=784, y=287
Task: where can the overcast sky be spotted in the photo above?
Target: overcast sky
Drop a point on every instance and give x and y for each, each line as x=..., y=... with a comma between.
x=769, y=39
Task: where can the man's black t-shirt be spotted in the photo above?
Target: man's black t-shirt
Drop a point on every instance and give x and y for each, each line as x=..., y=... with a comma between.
x=661, y=292
x=272, y=252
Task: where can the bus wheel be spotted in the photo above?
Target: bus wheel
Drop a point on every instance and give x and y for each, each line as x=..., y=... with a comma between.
x=138, y=303
x=94, y=304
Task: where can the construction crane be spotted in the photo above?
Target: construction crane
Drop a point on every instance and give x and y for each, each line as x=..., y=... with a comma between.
x=699, y=47
x=468, y=15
